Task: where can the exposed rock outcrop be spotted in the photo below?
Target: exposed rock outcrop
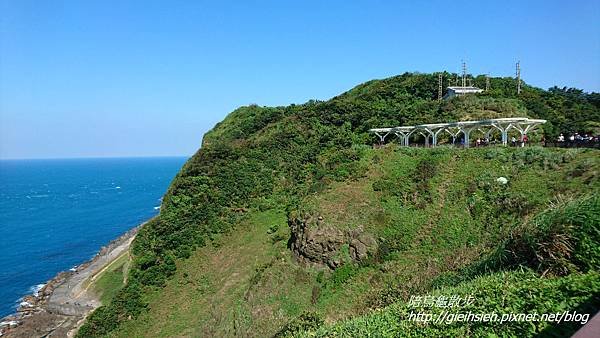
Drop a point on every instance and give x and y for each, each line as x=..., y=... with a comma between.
x=315, y=243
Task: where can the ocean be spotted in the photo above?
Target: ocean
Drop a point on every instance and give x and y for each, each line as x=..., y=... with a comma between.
x=56, y=214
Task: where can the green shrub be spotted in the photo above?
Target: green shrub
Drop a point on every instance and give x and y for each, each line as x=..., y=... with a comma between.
x=126, y=304
x=306, y=321
x=342, y=274
x=560, y=240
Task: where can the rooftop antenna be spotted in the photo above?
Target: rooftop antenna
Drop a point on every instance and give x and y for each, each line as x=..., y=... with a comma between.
x=464, y=74
x=439, y=86
x=518, y=77
x=487, y=82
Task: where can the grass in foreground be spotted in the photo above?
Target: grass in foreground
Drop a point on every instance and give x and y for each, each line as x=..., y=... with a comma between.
x=500, y=293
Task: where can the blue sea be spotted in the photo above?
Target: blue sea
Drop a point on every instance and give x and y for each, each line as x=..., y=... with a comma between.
x=55, y=214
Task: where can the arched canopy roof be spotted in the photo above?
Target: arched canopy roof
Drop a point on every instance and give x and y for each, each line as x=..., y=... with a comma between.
x=522, y=124
x=501, y=122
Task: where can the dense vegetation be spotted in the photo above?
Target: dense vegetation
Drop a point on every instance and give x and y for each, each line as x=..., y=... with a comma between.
x=278, y=158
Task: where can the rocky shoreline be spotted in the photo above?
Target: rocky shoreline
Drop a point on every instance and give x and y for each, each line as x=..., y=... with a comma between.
x=60, y=306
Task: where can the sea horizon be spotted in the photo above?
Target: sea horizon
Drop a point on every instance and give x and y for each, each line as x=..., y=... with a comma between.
x=90, y=157
x=57, y=213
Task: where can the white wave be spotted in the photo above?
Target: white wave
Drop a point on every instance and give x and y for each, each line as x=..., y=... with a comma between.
x=36, y=289
x=118, y=188
x=9, y=323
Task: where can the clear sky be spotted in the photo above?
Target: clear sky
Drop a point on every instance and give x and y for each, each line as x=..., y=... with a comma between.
x=148, y=78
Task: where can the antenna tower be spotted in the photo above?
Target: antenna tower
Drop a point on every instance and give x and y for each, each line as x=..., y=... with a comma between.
x=464, y=74
x=487, y=82
x=439, y=86
x=518, y=77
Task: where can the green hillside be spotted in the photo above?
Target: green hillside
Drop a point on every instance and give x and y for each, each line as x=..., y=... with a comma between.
x=288, y=222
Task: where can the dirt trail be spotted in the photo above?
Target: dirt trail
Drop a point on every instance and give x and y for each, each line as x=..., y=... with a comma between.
x=72, y=296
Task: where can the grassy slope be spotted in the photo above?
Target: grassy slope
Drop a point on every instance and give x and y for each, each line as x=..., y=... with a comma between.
x=112, y=278
x=261, y=158
x=243, y=284
x=246, y=282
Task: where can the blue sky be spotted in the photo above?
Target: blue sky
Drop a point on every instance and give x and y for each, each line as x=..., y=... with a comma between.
x=149, y=78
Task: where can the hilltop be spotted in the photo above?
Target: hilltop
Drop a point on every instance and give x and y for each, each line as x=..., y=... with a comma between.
x=288, y=222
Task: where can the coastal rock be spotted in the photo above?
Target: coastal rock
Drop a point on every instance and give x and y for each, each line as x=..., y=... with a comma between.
x=29, y=299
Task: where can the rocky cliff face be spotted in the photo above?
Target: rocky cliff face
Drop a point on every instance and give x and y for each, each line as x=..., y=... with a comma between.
x=315, y=243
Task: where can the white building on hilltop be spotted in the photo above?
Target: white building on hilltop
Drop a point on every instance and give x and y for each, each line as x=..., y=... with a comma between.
x=458, y=91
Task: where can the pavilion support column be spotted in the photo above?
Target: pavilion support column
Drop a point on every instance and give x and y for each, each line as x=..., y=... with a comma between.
x=504, y=137
x=503, y=132
x=408, y=138
x=453, y=134
x=382, y=137
x=401, y=138
x=427, y=134
x=426, y=139
x=466, y=133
